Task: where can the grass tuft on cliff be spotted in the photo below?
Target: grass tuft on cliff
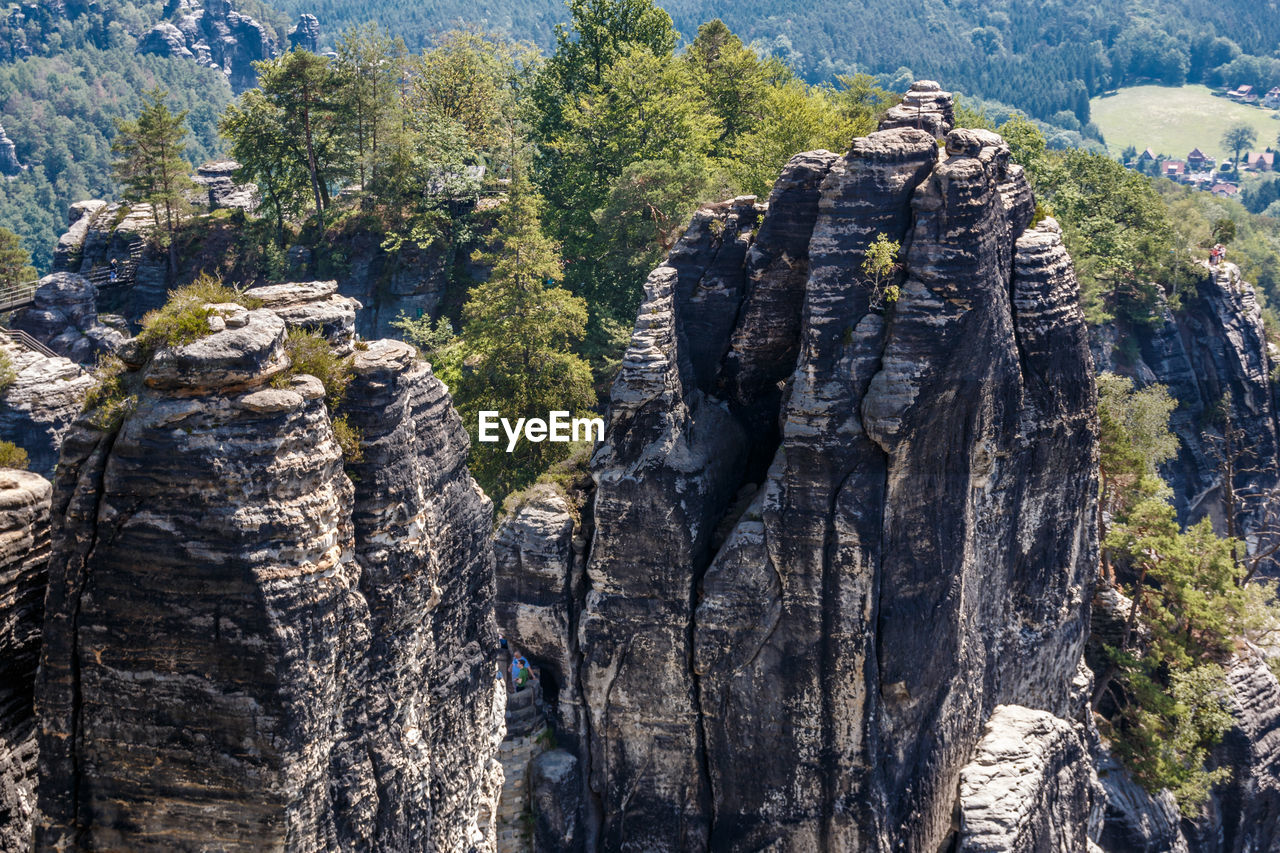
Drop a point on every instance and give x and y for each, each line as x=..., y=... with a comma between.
x=311, y=354
x=13, y=456
x=185, y=317
x=112, y=396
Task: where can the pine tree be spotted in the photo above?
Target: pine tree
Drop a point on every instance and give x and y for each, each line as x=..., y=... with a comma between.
x=517, y=331
x=15, y=263
x=150, y=165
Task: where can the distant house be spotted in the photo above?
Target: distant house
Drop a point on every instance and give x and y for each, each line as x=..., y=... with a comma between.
x=1146, y=156
x=1204, y=177
x=1173, y=169
x=1260, y=161
x=1242, y=93
x=1225, y=190
x=1197, y=161
x=1271, y=100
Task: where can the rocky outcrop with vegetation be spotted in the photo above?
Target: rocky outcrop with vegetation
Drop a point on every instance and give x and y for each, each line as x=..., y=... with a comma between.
x=809, y=588
x=271, y=572
x=40, y=403
x=214, y=36
x=1211, y=351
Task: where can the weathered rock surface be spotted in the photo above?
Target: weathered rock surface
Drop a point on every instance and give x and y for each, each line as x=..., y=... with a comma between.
x=218, y=178
x=24, y=557
x=925, y=107
x=246, y=648
x=556, y=800
x=39, y=407
x=9, y=163
x=215, y=36
x=305, y=34
x=64, y=317
x=817, y=570
x=1027, y=785
x=1210, y=353
x=313, y=306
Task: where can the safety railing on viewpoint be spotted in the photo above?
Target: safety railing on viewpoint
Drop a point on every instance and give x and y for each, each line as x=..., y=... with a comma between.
x=22, y=339
x=17, y=295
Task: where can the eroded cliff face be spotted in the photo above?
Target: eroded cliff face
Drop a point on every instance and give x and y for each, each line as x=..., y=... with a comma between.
x=831, y=538
x=251, y=645
x=1213, y=356
x=24, y=557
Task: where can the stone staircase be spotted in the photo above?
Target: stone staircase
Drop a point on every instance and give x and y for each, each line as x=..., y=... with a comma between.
x=527, y=736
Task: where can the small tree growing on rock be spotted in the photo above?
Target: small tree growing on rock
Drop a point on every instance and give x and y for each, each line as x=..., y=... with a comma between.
x=150, y=164
x=881, y=268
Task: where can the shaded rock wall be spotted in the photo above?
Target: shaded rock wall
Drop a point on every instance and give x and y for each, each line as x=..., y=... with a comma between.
x=1210, y=352
x=64, y=317
x=228, y=605
x=24, y=557
x=818, y=567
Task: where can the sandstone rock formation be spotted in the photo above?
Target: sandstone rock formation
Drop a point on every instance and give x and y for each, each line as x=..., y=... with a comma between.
x=38, y=408
x=830, y=537
x=215, y=36
x=64, y=317
x=305, y=34
x=1212, y=355
x=218, y=177
x=252, y=640
x=1029, y=782
x=24, y=556
x=9, y=163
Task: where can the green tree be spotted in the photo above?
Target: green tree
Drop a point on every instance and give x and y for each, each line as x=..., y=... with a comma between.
x=306, y=90
x=1238, y=137
x=517, y=331
x=795, y=118
x=150, y=166
x=366, y=88
x=1186, y=609
x=733, y=80
x=268, y=156
x=863, y=102
x=477, y=80
x=1026, y=143
x=880, y=266
x=1118, y=231
x=15, y=263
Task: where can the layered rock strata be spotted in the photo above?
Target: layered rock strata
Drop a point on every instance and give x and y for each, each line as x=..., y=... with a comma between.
x=24, y=557
x=215, y=36
x=250, y=644
x=41, y=403
x=1028, y=783
x=1213, y=355
x=832, y=536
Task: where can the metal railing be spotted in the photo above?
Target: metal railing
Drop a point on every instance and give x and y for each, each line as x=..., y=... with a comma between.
x=17, y=295
x=125, y=274
x=22, y=339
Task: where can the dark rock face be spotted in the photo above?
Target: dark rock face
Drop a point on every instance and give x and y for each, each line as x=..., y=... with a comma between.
x=1211, y=352
x=556, y=800
x=818, y=568
x=64, y=317
x=305, y=34
x=216, y=36
x=9, y=163
x=24, y=557
x=218, y=177
x=227, y=605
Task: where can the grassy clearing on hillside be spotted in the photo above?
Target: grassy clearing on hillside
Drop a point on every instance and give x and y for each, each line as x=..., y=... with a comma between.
x=1174, y=119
